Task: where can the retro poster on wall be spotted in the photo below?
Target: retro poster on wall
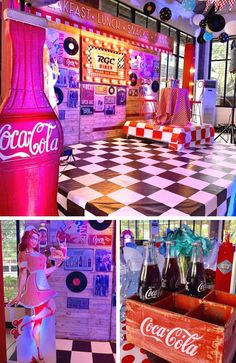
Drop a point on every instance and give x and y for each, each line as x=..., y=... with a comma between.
x=103, y=259
x=75, y=233
x=80, y=259
x=87, y=94
x=103, y=65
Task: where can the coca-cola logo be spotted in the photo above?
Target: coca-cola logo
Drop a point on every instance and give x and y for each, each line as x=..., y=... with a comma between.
x=100, y=240
x=201, y=287
x=26, y=143
x=152, y=294
x=177, y=338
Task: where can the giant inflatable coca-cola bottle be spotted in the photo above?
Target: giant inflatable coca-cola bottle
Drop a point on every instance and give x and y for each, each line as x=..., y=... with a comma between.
x=30, y=132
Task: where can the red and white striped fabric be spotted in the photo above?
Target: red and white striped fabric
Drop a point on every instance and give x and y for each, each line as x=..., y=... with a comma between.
x=178, y=138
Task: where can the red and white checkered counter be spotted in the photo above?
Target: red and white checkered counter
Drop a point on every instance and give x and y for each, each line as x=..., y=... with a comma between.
x=178, y=138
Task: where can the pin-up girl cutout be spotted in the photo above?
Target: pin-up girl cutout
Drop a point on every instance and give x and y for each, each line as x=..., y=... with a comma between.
x=34, y=290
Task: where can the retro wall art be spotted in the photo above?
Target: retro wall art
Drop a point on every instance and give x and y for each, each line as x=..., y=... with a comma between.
x=105, y=62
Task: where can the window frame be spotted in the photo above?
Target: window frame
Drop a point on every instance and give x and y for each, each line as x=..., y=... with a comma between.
x=226, y=61
x=158, y=29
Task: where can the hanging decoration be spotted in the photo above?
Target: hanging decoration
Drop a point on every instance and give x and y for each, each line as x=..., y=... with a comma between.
x=165, y=14
x=207, y=36
x=197, y=18
x=216, y=23
x=219, y=4
x=200, y=39
x=189, y=5
x=149, y=8
x=223, y=37
x=203, y=23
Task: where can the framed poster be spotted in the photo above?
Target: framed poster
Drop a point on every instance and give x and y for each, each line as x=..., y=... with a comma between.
x=100, y=240
x=99, y=103
x=121, y=96
x=103, y=260
x=72, y=99
x=73, y=78
x=62, y=78
x=101, y=285
x=80, y=259
x=87, y=94
x=101, y=90
x=77, y=303
x=86, y=110
x=75, y=233
x=109, y=109
x=111, y=100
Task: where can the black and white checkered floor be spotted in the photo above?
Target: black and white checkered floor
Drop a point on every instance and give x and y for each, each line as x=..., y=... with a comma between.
x=77, y=351
x=133, y=177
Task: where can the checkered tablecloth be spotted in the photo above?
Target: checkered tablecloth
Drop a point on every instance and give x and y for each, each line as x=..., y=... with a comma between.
x=178, y=138
x=134, y=178
x=174, y=107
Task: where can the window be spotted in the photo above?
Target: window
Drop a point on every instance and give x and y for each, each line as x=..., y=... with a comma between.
x=142, y=230
x=124, y=12
x=219, y=70
x=140, y=19
x=171, y=65
x=230, y=227
x=109, y=6
x=10, y=229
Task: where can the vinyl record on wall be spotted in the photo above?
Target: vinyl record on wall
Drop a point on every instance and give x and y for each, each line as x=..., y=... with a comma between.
x=149, y=8
x=133, y=79
x=155, y=86
x=100, y=225
x=111, y=90
x=71, y=46
x=59, y=94
x=76, y=281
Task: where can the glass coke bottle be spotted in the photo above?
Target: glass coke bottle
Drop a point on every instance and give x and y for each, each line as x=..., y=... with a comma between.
x=149, y=289
x=196, y=277
x=171, y=279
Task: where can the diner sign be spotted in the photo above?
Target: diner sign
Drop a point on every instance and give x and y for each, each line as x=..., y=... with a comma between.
x=93, y=18
x=105, y=64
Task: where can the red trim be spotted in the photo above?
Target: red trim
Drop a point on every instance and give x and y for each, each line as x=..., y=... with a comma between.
x=67, y=21
x=3, y=357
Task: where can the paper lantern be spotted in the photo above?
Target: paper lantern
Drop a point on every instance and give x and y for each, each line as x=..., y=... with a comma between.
x=216, y=23
x=165, y=14
x=197, y=18
x=207, y=36
x=223, y=37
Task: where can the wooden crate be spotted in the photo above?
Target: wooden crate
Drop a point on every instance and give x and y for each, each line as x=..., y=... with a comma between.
x=183, y=328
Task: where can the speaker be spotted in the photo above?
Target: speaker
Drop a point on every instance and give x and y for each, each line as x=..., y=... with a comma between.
x=232, y=67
